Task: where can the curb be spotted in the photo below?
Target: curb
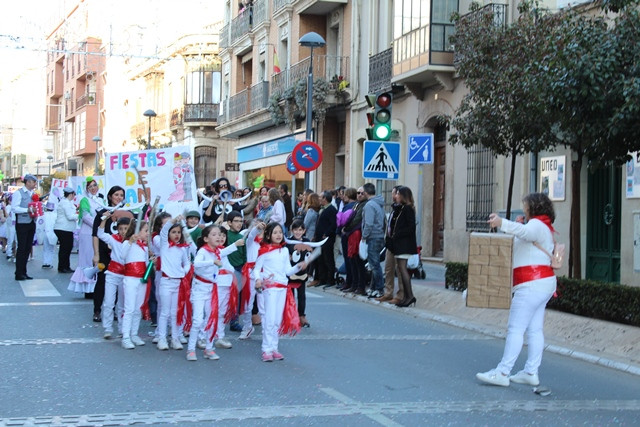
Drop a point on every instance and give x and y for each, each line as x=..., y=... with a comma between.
x=630, y=368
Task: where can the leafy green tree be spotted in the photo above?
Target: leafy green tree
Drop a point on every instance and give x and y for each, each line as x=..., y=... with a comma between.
x=503, y=68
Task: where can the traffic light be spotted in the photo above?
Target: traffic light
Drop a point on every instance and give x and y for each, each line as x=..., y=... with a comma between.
x=371, y=102
x=382, y=117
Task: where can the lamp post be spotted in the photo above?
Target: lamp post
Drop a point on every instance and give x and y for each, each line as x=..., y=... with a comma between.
x=50, y=158
x=38, y=168
x=96, y=139
x=310, y=40
x=150, y=114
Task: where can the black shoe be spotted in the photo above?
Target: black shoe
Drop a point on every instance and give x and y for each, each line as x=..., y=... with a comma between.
x=328, y=285
x=65, y=270
x=24, y=277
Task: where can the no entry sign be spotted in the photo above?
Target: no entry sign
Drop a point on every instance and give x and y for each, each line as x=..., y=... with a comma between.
x=306, y=156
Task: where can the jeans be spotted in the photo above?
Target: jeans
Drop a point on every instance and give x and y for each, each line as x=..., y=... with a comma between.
x=374, y=246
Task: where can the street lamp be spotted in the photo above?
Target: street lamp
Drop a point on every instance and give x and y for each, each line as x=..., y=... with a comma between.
x=310, y=40
x=96, y=139
x=50, y=158
x=38, y=167
x=150, y=114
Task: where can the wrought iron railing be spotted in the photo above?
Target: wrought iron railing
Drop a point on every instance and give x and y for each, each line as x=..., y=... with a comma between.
x=259, y=12
x=224, y=37
x=240, y=25
x=497, y=13
x=380, y=71
x=280, y=4
x=329, y=68
x=201, y=112
x=238, y=105
x=259, y=96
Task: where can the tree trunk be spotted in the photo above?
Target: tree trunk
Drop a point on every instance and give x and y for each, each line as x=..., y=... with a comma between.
x=575, y=263
x=510, y=189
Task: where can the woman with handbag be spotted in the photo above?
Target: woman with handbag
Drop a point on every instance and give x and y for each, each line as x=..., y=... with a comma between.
x=403, y=240
x=534, y=283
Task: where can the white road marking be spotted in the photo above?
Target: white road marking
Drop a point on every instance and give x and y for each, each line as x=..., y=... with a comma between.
x=26, y=304
x=38, y=288
x=378, y=417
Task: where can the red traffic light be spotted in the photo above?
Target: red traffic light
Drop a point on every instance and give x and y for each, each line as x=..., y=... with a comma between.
x=383, y=100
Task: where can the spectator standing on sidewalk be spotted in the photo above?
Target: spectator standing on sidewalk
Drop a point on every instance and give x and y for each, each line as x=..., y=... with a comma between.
x=352, y=231
x=373, y=235
x=286, y=199
x=326, y=228
x=390, y=258
x=66, y=221
x=25, y=225
x=403, y=241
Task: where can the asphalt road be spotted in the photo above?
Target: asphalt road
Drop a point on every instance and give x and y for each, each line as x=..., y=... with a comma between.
x=358, y=364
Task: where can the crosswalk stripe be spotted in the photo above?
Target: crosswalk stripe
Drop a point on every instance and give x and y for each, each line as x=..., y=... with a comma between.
x=38, y=288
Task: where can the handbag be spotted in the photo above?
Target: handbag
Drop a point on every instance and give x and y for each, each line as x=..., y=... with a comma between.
x=363, y=250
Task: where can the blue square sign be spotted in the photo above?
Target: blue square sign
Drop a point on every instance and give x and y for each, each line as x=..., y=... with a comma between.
x=420, y=148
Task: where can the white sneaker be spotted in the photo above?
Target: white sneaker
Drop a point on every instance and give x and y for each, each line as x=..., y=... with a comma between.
x=107, y=335
x=201, y=344
x=524, y=378
x=162, y=344
x=127, y=344
x=223, y=343
x=191, y=356
x=493, y=377
x=211, y=355
x=246, y=333
x=176, y=344
x=137, y=340
x=183, y=339
x=155, y=340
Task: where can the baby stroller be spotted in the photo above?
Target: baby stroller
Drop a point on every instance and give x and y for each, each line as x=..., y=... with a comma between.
x=418, y=272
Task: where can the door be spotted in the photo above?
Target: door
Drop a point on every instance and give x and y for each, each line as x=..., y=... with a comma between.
x=439, y=166
x=603, y=224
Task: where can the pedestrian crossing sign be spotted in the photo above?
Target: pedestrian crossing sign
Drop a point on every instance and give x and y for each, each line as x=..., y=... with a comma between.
x=381, y=160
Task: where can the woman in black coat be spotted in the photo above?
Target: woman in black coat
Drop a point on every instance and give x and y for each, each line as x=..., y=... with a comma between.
x=403, y=240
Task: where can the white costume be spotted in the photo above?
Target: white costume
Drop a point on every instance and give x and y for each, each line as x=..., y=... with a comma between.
x=136, y=257
x=252, y=247
x=113, y=281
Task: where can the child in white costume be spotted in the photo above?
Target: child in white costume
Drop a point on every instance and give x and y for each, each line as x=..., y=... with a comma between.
x=160, y=220
x=136, y=256
x=49, y=238
x=254, y=238
x=227, y=290
x=114, y=276
x=204, y=293
x=176, y=264
x=270, y=273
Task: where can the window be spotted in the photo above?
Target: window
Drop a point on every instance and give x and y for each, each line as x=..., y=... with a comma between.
x=203, y=87
x=205, y=165
x=480, y=185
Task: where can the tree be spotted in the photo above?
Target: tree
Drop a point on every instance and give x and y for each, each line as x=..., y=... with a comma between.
x=503, y=68
x=594, y=68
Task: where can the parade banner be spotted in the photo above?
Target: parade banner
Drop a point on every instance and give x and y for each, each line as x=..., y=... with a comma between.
x=146, y=174
x=79, y=184
x=57, y=185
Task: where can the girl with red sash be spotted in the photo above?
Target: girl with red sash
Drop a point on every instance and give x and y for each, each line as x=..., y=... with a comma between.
x=136, y=257
x=113, y=277
x=176, y=267
x=534, y=283
x=227, y=290
x=204, y=292
x=280, y=315
x=254, y=237
x=160, y=219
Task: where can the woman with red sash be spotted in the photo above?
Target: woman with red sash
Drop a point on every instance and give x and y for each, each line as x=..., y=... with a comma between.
x=534, y=283
x=176, y=268
x=270, y=273
x=136, y=257
x=204, y=292
x=114, y=276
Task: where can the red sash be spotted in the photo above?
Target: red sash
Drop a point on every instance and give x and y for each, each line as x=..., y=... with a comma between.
x=232, y=305
x=185, y=311
x=245, y=295
x=212, y=323
x=202, y=279
x=158, y=263
x=134, y=269
x=116, y=267
x=528, y=273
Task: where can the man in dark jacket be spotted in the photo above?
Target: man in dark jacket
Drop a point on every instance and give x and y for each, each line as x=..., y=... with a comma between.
x=286, y=199
x=326, y=227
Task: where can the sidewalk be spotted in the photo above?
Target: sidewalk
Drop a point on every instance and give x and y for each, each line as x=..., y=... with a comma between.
x=605, y=343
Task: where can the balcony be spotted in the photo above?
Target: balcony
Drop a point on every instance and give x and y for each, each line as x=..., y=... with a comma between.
x=423, y=58
x=159, y=123
x=495, y=12
x=247, y=20
x=88, y=98
x=380, y=67
x=326, y=67
x=224, y=37
x=201, y=113
x=278, y=5
x=246, y=111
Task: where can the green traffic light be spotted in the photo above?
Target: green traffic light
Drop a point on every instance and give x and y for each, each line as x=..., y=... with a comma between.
x=382, y=132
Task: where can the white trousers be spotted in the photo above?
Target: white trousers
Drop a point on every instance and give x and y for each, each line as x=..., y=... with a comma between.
x=245, y=318
x=134, y=293
x=223, y=302
x=48, y=252
x=201, y=306
x=168, y=307
x=273, y=303
x=526, y=315
x=112, y=286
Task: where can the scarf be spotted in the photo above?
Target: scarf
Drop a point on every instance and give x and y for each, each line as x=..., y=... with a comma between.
x=268, y=247
x=546, y=220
